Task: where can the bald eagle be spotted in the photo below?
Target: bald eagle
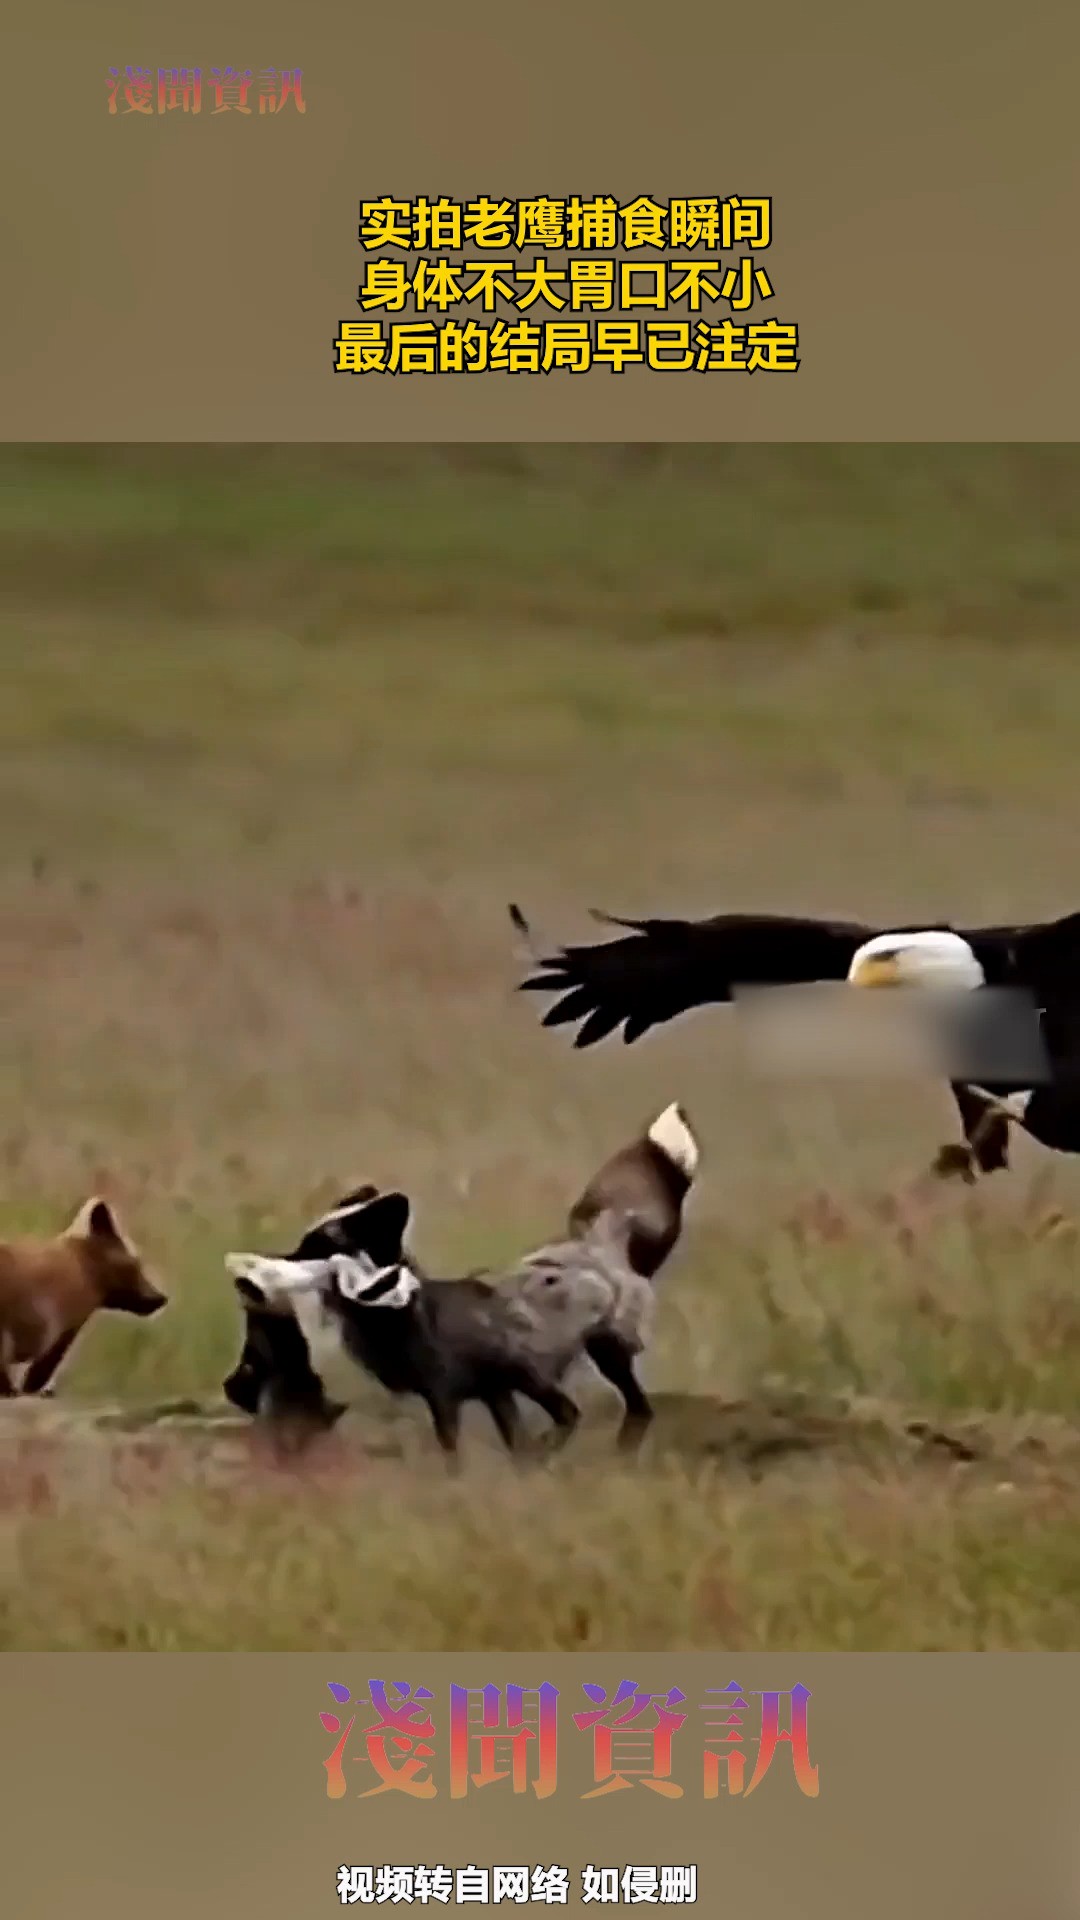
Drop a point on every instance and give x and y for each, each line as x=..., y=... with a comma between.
x=659, y=969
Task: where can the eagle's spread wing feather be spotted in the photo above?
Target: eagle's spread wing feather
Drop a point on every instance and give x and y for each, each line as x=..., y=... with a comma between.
x=659, y=968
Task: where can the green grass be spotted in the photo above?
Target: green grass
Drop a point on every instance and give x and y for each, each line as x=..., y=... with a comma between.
x=283, y=730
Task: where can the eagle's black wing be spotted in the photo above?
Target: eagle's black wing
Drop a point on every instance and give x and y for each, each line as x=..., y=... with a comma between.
x=661, y=968
x=1043, y=961
x=1061, y=1033
x=1046, y=958
x=1043, y=955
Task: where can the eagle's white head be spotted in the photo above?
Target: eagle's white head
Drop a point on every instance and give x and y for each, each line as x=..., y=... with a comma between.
x=935, y=958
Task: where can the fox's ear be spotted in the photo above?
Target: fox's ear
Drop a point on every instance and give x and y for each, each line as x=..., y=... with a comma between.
x=341, y=1229
x=379, y=1228
x=95, y=1220
x=356, y=1197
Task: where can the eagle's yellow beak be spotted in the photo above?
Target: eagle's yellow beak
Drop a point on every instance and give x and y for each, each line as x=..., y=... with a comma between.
x=877, y=970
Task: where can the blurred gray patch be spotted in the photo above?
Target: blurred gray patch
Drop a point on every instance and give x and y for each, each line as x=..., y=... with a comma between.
x=831, y=1030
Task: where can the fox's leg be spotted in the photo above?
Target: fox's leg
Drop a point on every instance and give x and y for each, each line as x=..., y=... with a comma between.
x=40, y=1371
x=616, y=1364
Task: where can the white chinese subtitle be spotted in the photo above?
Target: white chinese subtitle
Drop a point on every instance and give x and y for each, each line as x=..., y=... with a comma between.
x=515, y=1886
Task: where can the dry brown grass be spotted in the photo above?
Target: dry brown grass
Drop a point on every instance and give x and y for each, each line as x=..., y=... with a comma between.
x=282, y=735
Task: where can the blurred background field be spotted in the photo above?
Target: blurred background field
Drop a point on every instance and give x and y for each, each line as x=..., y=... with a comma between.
x=283, y=731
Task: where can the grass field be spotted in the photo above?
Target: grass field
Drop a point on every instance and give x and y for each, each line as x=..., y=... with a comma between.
x=283, y=731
